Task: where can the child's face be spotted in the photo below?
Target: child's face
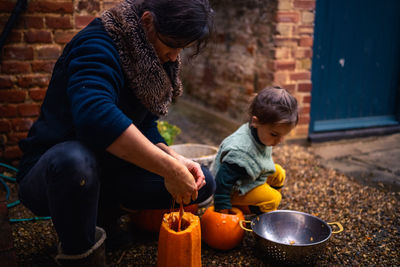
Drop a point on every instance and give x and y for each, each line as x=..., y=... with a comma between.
x=271, y=134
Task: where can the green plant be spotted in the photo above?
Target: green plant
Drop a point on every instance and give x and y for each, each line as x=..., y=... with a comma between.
x=168, y=131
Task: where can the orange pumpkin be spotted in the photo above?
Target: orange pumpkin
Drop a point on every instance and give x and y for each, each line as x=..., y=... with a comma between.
x=150, y=220
x=222, y=231
x=181, y=248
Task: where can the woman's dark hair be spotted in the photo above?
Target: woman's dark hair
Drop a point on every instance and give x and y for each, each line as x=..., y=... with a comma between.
x=182, y=21
x=274, y=105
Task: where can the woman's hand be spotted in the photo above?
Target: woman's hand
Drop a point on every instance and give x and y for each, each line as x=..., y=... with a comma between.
x=195, y=169
x=181, y=184
x=191, y=167
x=180, y=179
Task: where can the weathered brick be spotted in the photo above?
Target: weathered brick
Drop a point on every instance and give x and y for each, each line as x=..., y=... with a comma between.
x=14, y=37
x=8, y=111
x=300, y=76
x=301, y=130
x=304, y=4
x=306, y=41
x=304, y=87
x=307, y=99
x=48, y=52
x=303, y=64
x=83, y=21
x=7, y=6
x=51, y=7
x=33, y=80
x=12, y=152
x=5, y=126
x=15, y=137
x=285, y=5
x=304, y=119
x=291, y=42
x=15, y=67
x=59, y=22
x=286, y=16
x=82, y=5
x=280, y=78
x=20, y=24
x=37, y=94
x=110, y=4
x=284, y=65
x=3, y=21
x=43, y=66
x=282, y=53
x=63, y=37
x=89, y=5
x=307, y=30
x=12, y=96
x=305, y=110
x=34, y=22
x=18, y=52
x=21, y=124
x=5, y=82
x=38, y=36
x=284, y=29
x=302, y=52
x=290, y=87
x=307, y=17
x=28, y=110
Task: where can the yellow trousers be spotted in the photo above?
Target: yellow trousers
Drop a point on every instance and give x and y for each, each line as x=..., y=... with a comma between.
x=265, y=197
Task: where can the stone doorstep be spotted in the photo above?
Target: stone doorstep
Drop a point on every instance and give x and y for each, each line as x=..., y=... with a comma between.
x=7, y=251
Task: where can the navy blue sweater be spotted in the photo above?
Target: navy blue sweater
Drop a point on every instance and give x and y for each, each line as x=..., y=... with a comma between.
x=87, y=100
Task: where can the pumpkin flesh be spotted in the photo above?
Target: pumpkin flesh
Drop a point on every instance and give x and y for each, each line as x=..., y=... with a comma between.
x=179, y=248
x=150, y=220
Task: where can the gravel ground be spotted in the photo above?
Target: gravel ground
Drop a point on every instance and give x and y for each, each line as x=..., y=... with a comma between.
x=371, y=235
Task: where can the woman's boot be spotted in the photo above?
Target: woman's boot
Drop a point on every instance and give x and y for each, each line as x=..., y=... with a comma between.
x=95, y=256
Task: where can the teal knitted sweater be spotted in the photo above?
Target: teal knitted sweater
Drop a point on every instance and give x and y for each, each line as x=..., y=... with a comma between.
x=243, y=150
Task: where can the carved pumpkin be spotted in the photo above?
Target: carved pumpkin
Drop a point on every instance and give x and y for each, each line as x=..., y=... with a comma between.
x=222, y=231
x=181, y=248
x=150, y=220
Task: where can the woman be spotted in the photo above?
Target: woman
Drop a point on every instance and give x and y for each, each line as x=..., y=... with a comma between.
x=96, y=138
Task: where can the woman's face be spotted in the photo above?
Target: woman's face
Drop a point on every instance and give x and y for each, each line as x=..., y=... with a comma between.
x=164, y=52
x=271, y=134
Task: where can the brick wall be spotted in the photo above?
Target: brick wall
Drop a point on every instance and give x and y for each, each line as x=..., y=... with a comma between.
x=257, y=43
x=293, y=54
x=28, y=57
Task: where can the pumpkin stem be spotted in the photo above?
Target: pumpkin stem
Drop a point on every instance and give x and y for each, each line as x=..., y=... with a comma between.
x=172, y=209
x=181, y=212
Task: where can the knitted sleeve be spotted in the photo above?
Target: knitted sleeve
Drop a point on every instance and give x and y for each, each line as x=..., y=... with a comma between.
x=95, y=79
x=150, y=129
x=225, y=178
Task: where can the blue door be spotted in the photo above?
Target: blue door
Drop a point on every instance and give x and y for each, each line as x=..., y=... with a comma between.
x=356, y=65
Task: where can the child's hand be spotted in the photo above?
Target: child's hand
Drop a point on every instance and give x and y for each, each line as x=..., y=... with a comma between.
x=277, y=179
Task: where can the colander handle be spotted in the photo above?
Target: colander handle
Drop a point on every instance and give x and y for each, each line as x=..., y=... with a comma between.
x=243, y=227
x=338, y=224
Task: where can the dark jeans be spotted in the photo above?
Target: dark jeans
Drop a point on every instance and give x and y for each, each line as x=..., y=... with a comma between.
x=69, y=181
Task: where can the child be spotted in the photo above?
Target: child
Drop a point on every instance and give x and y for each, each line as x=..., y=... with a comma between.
x=245, y=173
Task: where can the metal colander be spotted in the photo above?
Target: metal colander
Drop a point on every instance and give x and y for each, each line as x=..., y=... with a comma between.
x=291, y=237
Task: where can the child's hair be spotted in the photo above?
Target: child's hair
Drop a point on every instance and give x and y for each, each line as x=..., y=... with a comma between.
x=274, y=105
